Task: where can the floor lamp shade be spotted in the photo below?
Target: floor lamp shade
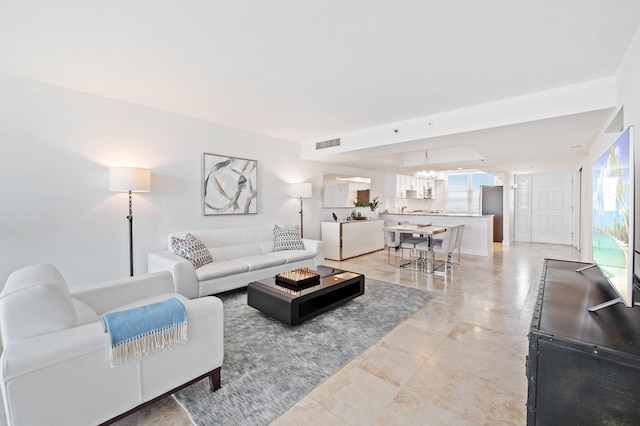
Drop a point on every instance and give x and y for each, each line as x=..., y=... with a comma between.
x=301, y=190
x=129, y=179
x=124, y=179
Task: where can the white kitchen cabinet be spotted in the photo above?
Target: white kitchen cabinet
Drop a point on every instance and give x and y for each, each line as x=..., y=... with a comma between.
x=390, y=185
x=396, y=186
x=346, y=239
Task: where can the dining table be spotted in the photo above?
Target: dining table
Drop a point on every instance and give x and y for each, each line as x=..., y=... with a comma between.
x=423, y=230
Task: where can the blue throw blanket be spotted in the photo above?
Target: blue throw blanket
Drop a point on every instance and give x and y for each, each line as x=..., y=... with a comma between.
x=140, y=331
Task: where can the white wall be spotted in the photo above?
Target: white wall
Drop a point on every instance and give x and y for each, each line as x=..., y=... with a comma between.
x=628, y=91
x=508, y=206
x=57, y=147
x=628, y=99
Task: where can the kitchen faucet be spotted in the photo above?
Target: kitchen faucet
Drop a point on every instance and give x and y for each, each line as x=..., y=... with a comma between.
x=403, y=207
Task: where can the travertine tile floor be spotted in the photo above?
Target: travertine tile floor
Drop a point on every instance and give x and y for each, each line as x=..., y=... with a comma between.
x=459, y=360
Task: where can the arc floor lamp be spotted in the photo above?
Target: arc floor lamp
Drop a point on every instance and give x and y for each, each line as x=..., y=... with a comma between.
x=129, y=179
x=301, y=190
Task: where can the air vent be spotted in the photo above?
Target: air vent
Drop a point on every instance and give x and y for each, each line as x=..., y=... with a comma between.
x=328, y=144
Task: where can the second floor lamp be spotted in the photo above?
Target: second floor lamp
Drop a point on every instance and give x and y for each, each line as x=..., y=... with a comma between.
x=129, y=179
x=301, y=190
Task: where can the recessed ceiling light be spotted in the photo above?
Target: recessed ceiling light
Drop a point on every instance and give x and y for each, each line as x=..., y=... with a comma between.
x=575, y=146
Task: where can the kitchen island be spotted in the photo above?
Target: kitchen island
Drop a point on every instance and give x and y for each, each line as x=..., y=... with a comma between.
x=478, y=229
x=346, y=239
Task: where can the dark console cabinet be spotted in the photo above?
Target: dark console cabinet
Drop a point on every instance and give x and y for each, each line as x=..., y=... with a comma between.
x=583, y=368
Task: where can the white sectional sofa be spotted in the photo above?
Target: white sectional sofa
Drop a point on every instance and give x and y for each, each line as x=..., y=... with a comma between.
x=240, y=256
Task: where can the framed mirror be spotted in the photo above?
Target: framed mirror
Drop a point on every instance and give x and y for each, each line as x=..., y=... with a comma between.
x=340, y=190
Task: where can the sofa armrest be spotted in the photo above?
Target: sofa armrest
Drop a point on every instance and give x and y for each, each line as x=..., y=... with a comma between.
x=317, y=247
x=184, y=275
x=105, y=296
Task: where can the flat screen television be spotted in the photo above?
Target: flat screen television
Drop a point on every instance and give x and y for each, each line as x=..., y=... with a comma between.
x=613, y=217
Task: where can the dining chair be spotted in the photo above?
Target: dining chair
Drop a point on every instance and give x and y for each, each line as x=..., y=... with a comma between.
x=458, y=243
x=444, y=247
x=410, y=244
x=392, y=242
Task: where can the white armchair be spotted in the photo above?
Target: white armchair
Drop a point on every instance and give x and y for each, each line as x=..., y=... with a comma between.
x=55, y=363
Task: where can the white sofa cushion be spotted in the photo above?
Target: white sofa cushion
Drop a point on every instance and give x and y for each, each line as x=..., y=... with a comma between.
x=293, y=255
x=221, y=269
x=224, y=237
x=261, y=261
x=241, y=250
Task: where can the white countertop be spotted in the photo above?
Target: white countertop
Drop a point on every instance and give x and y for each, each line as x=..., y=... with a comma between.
x=366, y=219
x=436, y=214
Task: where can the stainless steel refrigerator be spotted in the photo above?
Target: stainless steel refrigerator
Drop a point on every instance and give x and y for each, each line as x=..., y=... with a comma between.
x=491, y=203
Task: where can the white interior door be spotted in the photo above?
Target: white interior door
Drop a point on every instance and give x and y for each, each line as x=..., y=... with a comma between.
x=523, y=208
x=552, y=208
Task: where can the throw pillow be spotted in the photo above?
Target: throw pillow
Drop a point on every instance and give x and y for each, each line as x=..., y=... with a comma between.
x=287, y=238
x=191, y=249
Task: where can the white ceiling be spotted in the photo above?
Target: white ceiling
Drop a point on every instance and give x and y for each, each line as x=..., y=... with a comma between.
x=306, y=70
x=552, y=144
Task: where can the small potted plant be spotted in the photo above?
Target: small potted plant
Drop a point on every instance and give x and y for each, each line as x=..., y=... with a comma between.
x=373, y=205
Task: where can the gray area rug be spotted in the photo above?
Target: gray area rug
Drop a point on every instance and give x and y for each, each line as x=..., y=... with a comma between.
x=269, y=366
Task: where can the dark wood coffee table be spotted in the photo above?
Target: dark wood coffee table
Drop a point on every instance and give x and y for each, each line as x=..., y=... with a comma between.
x=293, y=306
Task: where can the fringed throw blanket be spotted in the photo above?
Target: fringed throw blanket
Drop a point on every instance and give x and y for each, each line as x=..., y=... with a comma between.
x=140, y=331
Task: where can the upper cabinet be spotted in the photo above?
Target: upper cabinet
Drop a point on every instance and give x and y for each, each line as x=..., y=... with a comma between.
x=404, y=186
x=390, y=185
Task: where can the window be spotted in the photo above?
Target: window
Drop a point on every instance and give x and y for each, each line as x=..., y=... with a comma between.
x=463, y=190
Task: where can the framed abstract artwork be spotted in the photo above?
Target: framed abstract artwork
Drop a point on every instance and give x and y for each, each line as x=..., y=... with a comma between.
x=229, y=185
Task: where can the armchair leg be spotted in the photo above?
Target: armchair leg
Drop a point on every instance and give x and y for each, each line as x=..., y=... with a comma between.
x=214, y=380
